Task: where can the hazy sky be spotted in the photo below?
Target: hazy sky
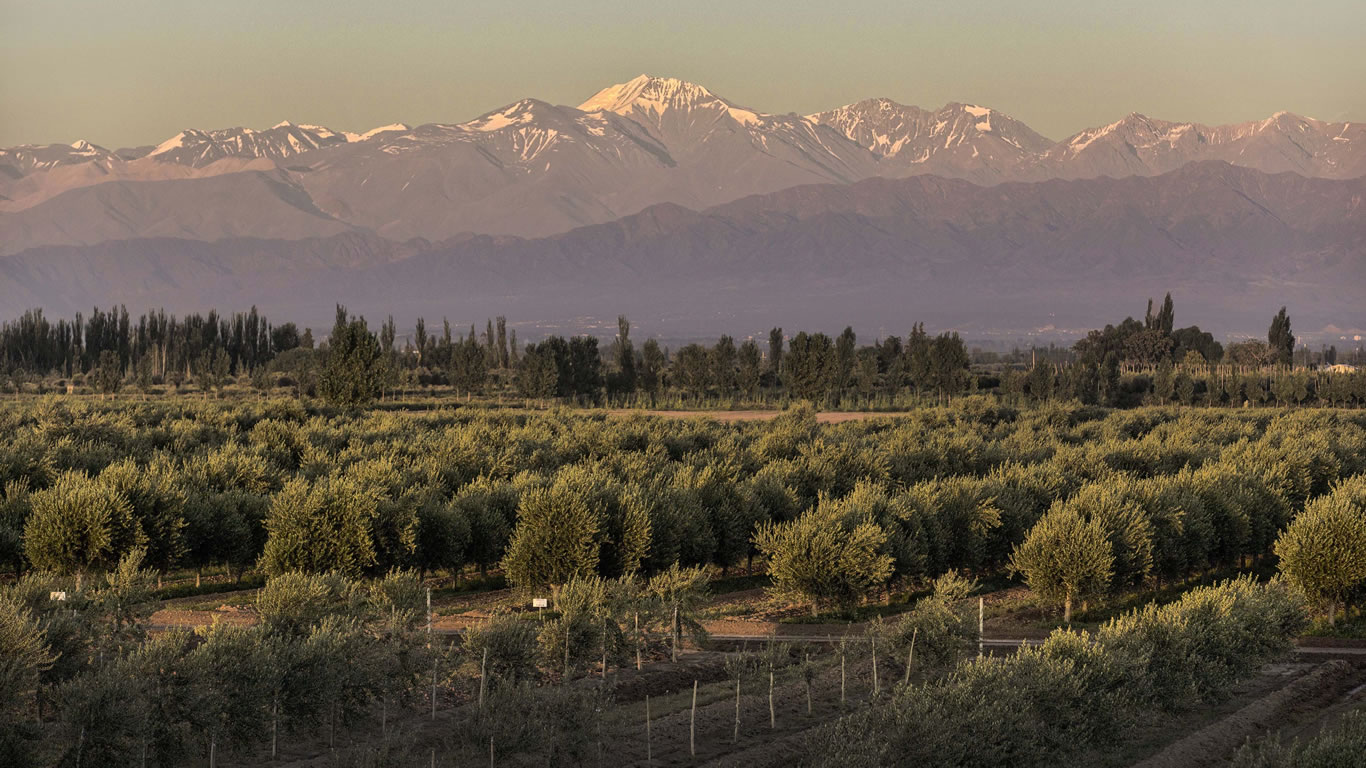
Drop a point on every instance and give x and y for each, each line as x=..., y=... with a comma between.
x=129, y=72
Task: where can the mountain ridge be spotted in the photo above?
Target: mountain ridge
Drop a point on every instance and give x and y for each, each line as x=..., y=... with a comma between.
x=1230, y=241
x=533, y=168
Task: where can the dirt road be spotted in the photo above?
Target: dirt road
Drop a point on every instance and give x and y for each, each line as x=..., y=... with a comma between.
x=823, y=417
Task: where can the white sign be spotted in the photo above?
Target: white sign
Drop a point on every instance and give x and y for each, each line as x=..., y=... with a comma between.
x=540, y=602
x=56, y=595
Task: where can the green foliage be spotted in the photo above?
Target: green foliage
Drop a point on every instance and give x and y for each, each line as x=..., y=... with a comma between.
x=1323, y=551
x=556, y=539
x=320, y=527
x=1280, y=339
x=158, y=504
x=24, y=656
x=291, y=603
x=942, y=627
x=356, y=369
x=511, y=645
x=1050, y=705
x=1065, y=558
x=78, y=525
x=827, y=556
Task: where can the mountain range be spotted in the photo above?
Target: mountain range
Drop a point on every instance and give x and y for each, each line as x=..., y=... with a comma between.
x=656, y=184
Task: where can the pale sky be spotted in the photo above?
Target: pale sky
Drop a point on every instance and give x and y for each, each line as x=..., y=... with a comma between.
x=131, y=72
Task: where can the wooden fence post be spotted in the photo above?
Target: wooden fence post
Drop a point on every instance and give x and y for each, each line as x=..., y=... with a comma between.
x=910, y=657
x=483, y=677
x=981, y=611
x=735, y=737
x=692, y=723
x=675, y=634
x=772, y=716
x=806, y=678
x=842, y=654
x=875, y=688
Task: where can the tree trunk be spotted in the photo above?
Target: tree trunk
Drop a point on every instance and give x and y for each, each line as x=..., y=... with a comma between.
x=676, y=633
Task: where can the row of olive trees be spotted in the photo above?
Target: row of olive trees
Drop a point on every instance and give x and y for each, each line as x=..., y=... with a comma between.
x=84, y=684
x=1078, y=692
x=1150, y=512
x=1112, y=535
x=546, y=496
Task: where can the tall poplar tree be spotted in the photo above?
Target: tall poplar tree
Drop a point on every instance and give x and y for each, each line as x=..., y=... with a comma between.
x=1280, y=339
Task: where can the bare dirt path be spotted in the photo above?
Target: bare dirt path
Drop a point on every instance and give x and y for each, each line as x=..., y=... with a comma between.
x=823, y=417
x=1304, y=697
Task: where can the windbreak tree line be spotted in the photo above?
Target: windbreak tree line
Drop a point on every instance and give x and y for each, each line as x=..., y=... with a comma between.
x=1151, y=362
x=111, y=344
x=1133, y=363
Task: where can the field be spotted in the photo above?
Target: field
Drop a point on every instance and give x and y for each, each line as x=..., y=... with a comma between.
x=198, y=540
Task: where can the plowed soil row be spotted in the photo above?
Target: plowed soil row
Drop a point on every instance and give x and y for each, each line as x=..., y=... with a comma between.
x=1305, y=698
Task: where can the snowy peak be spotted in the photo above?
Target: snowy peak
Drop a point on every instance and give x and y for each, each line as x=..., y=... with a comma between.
x=965, y=140
x=383, y=129
x=198, y=148
x=1143, y=145
x=520, y=113
x=27, y=158
x=648, y=92
x=653, y=96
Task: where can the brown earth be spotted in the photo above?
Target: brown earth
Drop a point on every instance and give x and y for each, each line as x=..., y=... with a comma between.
x=823, y=417
x=1304, y=697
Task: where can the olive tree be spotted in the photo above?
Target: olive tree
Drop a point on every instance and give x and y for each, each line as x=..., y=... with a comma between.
x=1323, y=551
x=320, y=527
x=825, y=557
x=556, y=540
x=78, y=525
x=1065, y=557
x=24, y=655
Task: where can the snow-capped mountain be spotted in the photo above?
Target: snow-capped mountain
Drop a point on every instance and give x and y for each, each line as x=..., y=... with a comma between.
x=529, y=167
x=285, y=140
x=697, y=124
x=1139, y=145
x=28, y=158
x=533, y=168
x=961, y=140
